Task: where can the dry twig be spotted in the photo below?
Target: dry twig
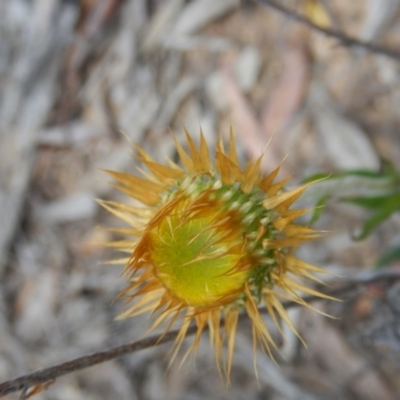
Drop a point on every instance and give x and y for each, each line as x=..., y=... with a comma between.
x=48, y=375
x=344, y=39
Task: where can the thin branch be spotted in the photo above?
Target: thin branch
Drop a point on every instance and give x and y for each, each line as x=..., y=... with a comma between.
x=344, y=39
x=48, y=375
x=355, y=281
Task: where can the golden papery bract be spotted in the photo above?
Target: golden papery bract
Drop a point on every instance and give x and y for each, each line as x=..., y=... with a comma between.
x=209, y=242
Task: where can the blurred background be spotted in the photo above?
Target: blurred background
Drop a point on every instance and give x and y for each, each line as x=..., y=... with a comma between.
x=81, y=79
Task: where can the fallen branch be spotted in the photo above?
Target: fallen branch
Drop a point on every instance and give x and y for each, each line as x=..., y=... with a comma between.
x=49, y=375
x=344, y=39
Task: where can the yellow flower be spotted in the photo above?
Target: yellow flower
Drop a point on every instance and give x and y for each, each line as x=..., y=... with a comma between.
x=208, y=242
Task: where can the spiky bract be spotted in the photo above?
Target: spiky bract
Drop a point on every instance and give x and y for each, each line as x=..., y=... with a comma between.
x=210, y=241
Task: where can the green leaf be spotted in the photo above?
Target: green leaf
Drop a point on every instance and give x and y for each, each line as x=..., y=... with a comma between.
x=388, y=171
x=369, y=202
x=319, y=207
x=363, y=172
x=372, y=190
x=387, y=207
x=389, y=257
x=318, y=177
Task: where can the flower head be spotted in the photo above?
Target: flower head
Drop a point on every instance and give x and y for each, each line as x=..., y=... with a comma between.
x=209, y=242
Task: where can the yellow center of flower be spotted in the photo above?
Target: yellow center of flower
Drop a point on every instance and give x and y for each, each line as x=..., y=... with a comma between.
x=196, y=260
